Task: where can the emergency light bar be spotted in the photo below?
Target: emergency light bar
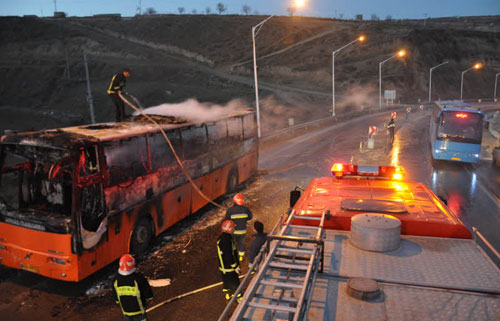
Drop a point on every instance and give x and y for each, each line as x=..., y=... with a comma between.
x=390, y=172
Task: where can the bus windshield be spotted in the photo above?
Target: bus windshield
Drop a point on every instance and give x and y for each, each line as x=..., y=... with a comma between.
x=460, y=126
x=35, y=186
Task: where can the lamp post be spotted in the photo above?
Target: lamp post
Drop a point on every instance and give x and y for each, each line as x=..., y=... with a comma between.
x=476, y=66
x=360, y=38
x=430, y=77
x=255, y=31
x=495, y=92
x=400, y=53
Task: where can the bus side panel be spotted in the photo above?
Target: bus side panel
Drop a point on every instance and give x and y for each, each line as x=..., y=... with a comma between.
x=176, y=204
x=204, y=184
x=246, y=166
x=218, y=182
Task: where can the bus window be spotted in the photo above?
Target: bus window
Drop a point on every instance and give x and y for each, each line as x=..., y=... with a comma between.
x=461, y=126
x=88, y=160
x=234, y=129
x=194, y=139
x=249, y=128
x=217, y=133
x=161, y=154
x=126, y=159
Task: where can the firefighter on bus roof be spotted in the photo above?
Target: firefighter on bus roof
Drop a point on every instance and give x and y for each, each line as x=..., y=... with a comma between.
x=240, y=215
x=229, y=265
x=117, y=84
x=132, y=290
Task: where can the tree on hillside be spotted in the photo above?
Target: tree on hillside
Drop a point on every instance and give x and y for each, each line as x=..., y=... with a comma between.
x=374, y=17
x=194, y=11
x=341, y=16
x=291, y=10
x=246, y=9
x=181, y=10
x=388, y=18
x=221, y=7
x=150, y=11
x=208, y=10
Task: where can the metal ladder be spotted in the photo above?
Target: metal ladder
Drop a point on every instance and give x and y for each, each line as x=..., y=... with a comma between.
x=282, y=288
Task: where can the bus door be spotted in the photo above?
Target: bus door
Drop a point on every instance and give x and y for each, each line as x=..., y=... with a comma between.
x=91, y=213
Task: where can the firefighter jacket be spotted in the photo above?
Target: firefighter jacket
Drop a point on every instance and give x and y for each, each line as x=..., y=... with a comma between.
x=117, y=83
x=132, y=292
x=391, y=124
x=227, y=254
x=258, y=241
x=239, y=215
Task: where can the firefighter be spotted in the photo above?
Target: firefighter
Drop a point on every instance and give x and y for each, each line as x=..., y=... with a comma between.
x=408, y=111
x=391, y=126
x=259, y=240
x=229, y=265
x=240, y=215
x=132, y=290
x=117, y=84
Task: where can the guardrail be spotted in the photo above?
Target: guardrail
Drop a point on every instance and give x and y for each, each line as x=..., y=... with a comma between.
x=318, y=122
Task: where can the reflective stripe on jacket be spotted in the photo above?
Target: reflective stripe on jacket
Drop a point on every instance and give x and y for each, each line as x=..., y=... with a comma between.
x=117, y=83
x=129, y=291
x=226, y=252
x=132, y=293
x=239, y=215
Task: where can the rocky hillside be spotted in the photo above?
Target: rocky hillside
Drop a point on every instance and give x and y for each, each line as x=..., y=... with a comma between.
x=209, y=57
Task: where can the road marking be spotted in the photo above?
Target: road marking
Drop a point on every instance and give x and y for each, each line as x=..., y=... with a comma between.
x=486, y=191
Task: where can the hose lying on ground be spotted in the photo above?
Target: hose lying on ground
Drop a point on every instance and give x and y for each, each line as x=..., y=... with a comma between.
x=187, y=294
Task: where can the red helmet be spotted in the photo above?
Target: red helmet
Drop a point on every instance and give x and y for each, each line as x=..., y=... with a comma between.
x=127, y=265
x=228, y=226
x=239, y=199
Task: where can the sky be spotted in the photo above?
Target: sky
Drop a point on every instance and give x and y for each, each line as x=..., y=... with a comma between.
x=346, y=9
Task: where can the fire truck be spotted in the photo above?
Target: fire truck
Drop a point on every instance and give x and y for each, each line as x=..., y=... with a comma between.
x=366, y=244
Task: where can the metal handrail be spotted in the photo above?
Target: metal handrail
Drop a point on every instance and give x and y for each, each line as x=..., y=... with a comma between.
x=488, y=244
x=243, y=283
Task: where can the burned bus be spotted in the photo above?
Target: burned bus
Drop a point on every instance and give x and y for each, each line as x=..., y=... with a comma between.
x=73, y=200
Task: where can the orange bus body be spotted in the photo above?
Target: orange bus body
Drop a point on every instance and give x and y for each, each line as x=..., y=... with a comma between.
x=60, y=255
x=425, y=214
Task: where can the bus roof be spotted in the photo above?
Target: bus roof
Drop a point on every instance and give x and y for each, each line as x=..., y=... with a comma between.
x=420, y=211
x=70, y=138
x=458, y=106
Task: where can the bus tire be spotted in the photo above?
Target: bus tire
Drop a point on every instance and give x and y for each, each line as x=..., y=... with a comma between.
x=232, y=180
x=141, y=237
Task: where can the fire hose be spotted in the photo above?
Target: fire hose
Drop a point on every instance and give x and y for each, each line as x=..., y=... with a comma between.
x=171, y=148
x=187, y=294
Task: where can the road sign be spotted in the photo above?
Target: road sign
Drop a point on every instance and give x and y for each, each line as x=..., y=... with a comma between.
x=393, y=114
x=408, y=109
x=390, y=94
x=421, y=107
x=372, y=130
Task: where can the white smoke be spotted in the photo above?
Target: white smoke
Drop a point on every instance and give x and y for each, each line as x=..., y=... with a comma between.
x=194, y=111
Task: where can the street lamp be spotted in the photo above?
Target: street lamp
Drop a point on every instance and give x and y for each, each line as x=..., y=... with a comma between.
x=496, y=81
x=430, y=77
x=476, y=66
x=360, y=39
x=255, y=31
x=400, y=53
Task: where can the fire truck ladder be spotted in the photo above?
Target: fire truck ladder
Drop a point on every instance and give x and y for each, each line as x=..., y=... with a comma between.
x=282, y=288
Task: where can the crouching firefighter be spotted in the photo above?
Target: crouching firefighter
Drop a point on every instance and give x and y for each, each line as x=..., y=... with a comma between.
x=240, y=215
x=229, y=265
x=132, y=290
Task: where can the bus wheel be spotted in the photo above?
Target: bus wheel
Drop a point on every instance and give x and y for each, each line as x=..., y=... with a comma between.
x=232, y=181
x=141, y=237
